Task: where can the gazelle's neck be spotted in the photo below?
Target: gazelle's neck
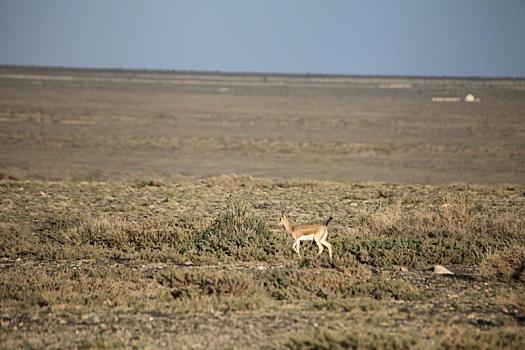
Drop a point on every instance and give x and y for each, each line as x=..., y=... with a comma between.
x=288, y=226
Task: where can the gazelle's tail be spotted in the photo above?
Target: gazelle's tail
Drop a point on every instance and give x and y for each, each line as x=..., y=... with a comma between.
x=327, y=221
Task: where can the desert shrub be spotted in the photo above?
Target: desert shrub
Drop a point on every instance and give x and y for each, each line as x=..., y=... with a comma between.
x=453, y=217
x=280, y=284
x=21, y=242
x=19, y=287
x=505, y=264
x=52, y=229
x=104, y=231
x=156, y=233
x=355, y=339
x=16, y=242
x=89, y=285
x=383, y=288
x=456, y=232
x=120, y=233
x=101, y=342
x=503, y=338
x=205, y=290
x=447, y=338
x=237, y=233
x=418, y=251
x=107, y=232
x=293, y=284
x=386, y=220
x=195, y=283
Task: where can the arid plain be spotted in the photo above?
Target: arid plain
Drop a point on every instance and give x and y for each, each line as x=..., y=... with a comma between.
x=139, y=209
x=84, y=125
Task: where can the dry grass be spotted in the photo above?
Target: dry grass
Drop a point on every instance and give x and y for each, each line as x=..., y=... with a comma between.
x=175, y=125
x=361, y=339
x=144, y=263
x=504, y=265
x=89, y=286
x=450, y=216
x=173, y=261
x=452, y=231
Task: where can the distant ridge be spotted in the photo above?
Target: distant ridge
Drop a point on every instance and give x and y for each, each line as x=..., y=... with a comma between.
x=249, y=74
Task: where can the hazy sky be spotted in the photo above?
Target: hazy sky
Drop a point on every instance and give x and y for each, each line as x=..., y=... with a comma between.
x=387, y=37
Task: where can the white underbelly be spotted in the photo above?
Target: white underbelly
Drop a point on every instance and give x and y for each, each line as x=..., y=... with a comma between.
x=306, y=238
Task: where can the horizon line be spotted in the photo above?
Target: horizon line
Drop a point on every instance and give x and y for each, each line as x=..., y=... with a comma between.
x=259, y=73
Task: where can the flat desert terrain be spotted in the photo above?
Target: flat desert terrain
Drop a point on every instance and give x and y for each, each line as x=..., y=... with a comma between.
x=140, y=210
x=111, y=125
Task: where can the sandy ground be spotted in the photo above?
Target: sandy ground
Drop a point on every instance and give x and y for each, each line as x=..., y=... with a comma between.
x=119, y=125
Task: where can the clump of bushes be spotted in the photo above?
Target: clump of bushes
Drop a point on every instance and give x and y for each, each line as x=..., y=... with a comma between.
x=504, y=265
x=192, y=284
x=235, y=234
x=292, y=284
x=455, y=232
x=281, y=284
x=419, y=251
x=238, y=234
x=355, y=339
x=446, y=338
x=20, y=287
x=454, y=216
x=468, y=338
x=114, y=232
x=204, y=289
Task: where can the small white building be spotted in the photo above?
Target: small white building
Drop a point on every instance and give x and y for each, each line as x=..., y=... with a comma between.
x=471, y=98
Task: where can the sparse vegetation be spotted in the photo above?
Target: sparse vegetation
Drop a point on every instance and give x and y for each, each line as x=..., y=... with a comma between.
x=506, y=264
x=104, y=258
x=238, y=234
x=457, y=232
x=360, y=339
x=116, y=232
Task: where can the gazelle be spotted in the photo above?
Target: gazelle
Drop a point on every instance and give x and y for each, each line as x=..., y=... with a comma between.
x=317, y=233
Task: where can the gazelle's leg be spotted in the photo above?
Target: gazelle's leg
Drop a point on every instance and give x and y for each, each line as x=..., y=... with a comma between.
x=326, y=244
x=325, y=235
x=297, y=245
x=329, y=246
x=319, y=245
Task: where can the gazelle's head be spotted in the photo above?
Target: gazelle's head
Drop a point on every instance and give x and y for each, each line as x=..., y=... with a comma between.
x=283, y=219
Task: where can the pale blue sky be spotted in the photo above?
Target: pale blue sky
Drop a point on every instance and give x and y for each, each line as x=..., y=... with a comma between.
x=387, y=37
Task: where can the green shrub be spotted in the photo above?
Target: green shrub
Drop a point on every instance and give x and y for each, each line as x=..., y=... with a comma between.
x=20, y=287
x=456, y=232
x=212, y=290
x=419, y=251
x=503, y=338
x=355, y=339
x=238, y=234
x=197, y=283
x=99, y=342
x=293, y=284
x=504, y=265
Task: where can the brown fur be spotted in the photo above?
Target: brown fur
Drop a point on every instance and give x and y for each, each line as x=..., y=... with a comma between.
x=319, y=234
